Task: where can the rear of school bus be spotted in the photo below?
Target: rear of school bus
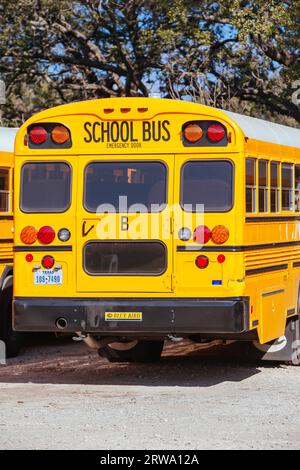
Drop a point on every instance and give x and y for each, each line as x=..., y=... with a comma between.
x=125, y=214
x=10, y=339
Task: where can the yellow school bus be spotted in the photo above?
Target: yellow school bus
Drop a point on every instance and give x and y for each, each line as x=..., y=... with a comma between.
x=10, y=338
x=137, y=220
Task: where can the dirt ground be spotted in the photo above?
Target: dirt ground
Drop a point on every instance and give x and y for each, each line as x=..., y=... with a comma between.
x=60, y=395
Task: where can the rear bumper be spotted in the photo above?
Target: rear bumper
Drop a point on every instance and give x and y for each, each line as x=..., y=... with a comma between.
x=159, y=315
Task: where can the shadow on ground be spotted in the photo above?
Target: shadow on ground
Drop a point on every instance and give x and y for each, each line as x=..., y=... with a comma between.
x=50, y=360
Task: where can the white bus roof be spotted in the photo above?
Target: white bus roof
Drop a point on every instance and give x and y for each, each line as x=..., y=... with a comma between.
x=7, y=138
x=266, y=131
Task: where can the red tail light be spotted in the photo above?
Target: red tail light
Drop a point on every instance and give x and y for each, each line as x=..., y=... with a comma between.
x=38, y=135
x=46, y=235
x=221, y=259
x=216, y=133
x=48, y=262
x=202, y=234
x=202, y=262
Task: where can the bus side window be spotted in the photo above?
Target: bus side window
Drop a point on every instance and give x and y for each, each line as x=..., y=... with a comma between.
x=297, y=188
x=4, y=190
x=275, y=201
x=250, y=185
x=287, y=198
x=263, y=185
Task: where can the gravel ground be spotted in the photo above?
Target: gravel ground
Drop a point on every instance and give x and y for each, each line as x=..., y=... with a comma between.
x=60, y=395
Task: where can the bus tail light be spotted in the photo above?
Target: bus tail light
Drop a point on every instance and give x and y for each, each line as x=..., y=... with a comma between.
x=48, y=262
x=38, y=135
x=202, y=234
x=220, y=234
x=29, y=235
x=60, y=135
x=202, y=262
x=193, y=133
x=221, y=259
x=216, y=133
x=46, y=235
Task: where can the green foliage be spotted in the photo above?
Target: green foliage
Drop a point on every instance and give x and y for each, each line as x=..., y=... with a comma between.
x=237, y=54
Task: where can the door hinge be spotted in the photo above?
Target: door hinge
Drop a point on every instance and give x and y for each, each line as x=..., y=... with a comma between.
x=171, y=226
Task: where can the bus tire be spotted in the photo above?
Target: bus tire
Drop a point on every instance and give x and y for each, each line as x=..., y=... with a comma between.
x=12, y=339
x=134, y=351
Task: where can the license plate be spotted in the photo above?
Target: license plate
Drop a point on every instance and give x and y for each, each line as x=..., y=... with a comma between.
x=123, y=316
x=44, y=277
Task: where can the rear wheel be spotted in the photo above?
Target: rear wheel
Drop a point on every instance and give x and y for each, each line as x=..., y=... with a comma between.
x=12, y=339
x=133, y=351
x=285, y=349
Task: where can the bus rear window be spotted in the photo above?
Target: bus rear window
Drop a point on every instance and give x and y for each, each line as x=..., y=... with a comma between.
x=45, y=187
x=209, y=183
x=139, y=186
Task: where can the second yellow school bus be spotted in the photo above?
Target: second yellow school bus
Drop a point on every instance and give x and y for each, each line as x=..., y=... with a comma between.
x=140, y=219
x=11, y=339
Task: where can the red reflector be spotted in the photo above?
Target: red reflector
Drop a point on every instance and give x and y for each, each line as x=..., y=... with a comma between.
x=221, y=259
x=202, y=262
x=38, y=135
x=48, y=262
x=29, y=258
x=46, y=235
x=202, y=234
x=216, y=133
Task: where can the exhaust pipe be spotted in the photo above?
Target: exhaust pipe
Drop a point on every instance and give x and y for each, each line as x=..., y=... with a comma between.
x=61, y=323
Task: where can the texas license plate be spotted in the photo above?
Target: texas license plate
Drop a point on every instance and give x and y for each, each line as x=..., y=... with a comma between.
x=45, y=277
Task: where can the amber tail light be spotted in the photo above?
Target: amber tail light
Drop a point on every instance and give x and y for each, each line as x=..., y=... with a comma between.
x=29, y=235
x=220, y=234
